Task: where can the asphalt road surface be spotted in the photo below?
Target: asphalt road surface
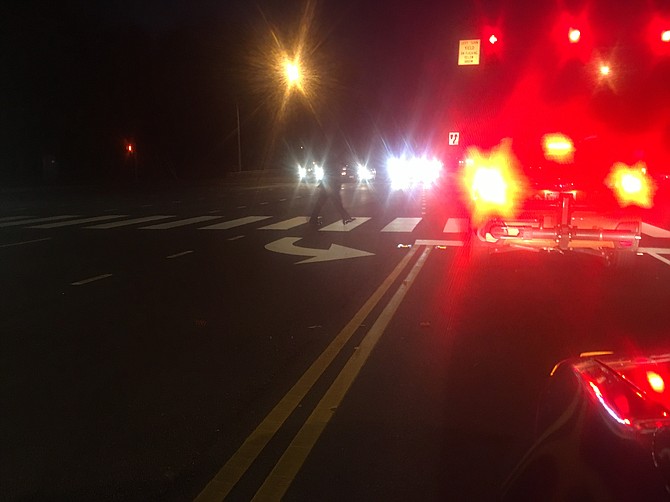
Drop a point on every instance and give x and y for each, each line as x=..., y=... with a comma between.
x=204, y=341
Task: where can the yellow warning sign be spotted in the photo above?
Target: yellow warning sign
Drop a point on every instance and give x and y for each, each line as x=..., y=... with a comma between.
x=468, y=52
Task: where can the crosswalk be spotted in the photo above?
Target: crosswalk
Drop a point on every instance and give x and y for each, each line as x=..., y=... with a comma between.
x=212, y=222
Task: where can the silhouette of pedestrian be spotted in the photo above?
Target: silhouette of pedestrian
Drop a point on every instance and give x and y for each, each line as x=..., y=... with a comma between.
x=330, y=187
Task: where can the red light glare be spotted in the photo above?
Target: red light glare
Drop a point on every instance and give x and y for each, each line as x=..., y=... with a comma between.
x=665, y=36
x=129, y=148
x=493, y=39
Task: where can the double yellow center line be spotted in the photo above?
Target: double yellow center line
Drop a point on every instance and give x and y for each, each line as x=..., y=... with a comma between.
x=291, y=461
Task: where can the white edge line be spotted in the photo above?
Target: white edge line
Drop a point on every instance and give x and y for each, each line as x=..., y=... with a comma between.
x=86, y=281
x=237, y=237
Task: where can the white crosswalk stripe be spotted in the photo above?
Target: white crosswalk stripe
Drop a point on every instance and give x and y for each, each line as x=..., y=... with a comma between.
x=235, y=223
x=402, y=225
x=287, y=224
x=80, y=221
x=132, y=221
x=338, y=226
x=397, y=225
x=37, y=220
x=13, y=218
x=456, y=226
x=180, y=223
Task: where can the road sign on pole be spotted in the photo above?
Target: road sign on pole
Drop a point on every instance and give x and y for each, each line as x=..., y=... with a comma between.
x=468, y=52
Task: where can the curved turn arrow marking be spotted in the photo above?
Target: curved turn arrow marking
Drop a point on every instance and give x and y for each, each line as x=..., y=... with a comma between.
x=286, y=245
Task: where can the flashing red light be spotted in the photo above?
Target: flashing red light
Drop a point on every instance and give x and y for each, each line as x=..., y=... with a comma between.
x=129, y=148
x=658, y=35
x=631, y=185
x=493, y=39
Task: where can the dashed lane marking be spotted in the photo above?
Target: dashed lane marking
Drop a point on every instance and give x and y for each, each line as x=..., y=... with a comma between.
x=92, y=279
x=177, y=255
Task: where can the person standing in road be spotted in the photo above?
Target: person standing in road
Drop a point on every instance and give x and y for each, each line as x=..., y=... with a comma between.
x=330, y=187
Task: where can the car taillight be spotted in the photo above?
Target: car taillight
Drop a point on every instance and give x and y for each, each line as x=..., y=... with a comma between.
x=493, y=181
x=631, y=185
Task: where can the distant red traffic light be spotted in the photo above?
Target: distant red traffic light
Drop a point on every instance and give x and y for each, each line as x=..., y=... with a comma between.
x=574, y=35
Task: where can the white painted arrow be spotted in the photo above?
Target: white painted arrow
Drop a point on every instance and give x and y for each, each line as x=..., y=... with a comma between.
x=286, y=245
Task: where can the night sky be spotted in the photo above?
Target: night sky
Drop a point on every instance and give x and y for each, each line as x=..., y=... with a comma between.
x=80, y=79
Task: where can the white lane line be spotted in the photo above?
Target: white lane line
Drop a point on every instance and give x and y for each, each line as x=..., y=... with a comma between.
x=402, y=225
x=235, y=223
x=146, y=205
x=180, y=223
x=263, y=203
x=338, y=226
x=431, y=242
x=284, y=472
x=133, y=221
x=456, y=226
x=24, y=242
x=92, y=279
x=13, y=218
x=178, y=254
x=282, y=200
x=287, y=224
x=653, y=231
x=241, y=207
x=37, y=220
x=80, y=221
x=236, y=238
